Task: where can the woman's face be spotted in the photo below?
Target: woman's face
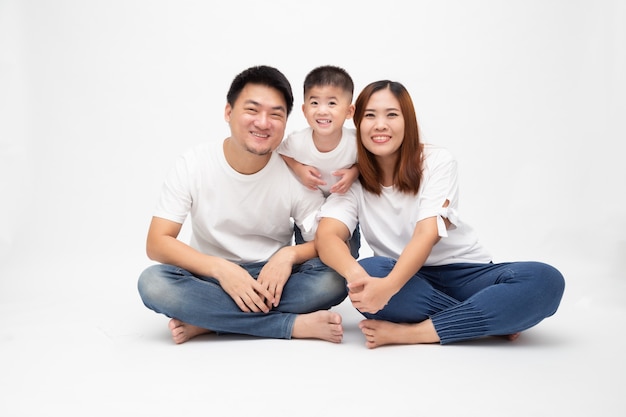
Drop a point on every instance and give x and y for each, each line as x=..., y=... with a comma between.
x=382, y=125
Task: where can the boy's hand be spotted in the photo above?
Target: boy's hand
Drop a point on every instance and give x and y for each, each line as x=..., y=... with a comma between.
x=309, y=176
x=348, y=176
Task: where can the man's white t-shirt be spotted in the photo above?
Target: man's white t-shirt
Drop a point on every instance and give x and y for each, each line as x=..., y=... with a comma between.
x=241, y=218
x=299, y=145
x=388, y=221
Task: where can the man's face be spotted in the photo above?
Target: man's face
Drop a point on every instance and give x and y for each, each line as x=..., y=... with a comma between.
x=257, y=119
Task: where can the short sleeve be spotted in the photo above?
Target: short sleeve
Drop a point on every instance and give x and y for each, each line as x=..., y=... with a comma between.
x=439, y=183
x=175, y=199
x=343, y=207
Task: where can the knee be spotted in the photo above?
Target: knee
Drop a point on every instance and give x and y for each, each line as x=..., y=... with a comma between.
x=330, y=289
x=377, y=266
x=150, y=284
x=551, y=278
x=550, y=285
x=333, y=283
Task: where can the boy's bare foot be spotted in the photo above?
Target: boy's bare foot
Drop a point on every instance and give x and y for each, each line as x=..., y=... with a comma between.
x=379, y=333
x=181, y=332
x=323, y=324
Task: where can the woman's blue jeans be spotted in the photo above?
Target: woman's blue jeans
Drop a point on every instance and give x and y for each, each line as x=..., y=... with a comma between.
x=202, y=302
x=467, y=301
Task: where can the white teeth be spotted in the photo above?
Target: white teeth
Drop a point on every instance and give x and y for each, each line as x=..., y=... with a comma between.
x=259, y=135
x=323, y=121
x=379, y=138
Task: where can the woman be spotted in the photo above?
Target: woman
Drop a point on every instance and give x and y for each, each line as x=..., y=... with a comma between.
x=430, y=280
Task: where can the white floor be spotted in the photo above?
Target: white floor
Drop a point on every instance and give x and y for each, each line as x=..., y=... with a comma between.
x=86, y=346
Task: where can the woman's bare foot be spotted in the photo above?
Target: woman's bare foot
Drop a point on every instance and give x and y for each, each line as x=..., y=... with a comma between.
x=379, y=333
x=323, y=324
x=181, y=332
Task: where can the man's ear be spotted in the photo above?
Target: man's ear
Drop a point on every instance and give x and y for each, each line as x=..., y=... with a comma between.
x=227, y=111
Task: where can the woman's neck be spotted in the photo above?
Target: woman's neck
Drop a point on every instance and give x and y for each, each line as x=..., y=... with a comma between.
x=388, y=166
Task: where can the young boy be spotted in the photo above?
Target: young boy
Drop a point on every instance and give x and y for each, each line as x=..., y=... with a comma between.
x=324, y=154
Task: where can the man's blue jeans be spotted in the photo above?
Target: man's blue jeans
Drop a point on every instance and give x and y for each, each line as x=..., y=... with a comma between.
x=467, y=301
x=202, y=302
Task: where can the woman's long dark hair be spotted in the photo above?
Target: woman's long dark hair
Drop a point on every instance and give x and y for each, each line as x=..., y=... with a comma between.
x=408, y=170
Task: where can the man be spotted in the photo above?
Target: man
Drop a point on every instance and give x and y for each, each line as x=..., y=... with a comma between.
x=240, y=274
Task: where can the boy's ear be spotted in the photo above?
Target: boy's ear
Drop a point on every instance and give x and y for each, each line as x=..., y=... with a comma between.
x=350, y=112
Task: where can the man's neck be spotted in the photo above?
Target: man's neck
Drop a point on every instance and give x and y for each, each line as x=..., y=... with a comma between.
x=242, y=160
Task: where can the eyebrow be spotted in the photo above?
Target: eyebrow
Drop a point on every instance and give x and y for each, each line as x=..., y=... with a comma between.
x=386, y=110
x=331, y=97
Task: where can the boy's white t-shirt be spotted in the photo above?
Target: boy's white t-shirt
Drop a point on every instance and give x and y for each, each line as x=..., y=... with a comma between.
x=299, y=145
x=388, y=221
x=241, y=218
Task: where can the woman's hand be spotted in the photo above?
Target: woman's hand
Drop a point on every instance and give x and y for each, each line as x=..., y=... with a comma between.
x=370, y=295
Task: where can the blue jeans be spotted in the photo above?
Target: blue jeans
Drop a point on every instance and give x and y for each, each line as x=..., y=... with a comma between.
x=467, y=301
x=202, y=302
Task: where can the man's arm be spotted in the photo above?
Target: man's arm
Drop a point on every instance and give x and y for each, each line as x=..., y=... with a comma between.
x=163, y=246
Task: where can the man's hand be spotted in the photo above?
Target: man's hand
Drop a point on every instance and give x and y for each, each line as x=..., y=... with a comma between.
x=275, y=274
x=249, y=294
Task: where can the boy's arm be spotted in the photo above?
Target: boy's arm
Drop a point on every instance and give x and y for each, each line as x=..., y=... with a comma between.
x=308, y=175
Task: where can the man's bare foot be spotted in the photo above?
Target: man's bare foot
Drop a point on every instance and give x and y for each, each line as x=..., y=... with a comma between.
x=379, y=333
x=323, y=324
x=181, y=332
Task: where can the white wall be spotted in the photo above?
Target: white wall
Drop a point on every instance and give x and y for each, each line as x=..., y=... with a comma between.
x=98, y=97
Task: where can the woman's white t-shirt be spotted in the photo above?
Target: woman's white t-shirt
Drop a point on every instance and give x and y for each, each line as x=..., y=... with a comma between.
x=388, y=221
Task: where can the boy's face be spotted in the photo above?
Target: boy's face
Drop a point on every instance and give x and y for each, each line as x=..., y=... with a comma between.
x=326, y=108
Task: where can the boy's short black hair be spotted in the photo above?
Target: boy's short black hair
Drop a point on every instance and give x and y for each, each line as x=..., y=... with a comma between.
x=263, y=75
x=329, y=75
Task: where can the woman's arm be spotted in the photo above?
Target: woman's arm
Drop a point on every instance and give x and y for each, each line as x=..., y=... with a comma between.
x=415, y=253
x=332, y=248
x=370, y=295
